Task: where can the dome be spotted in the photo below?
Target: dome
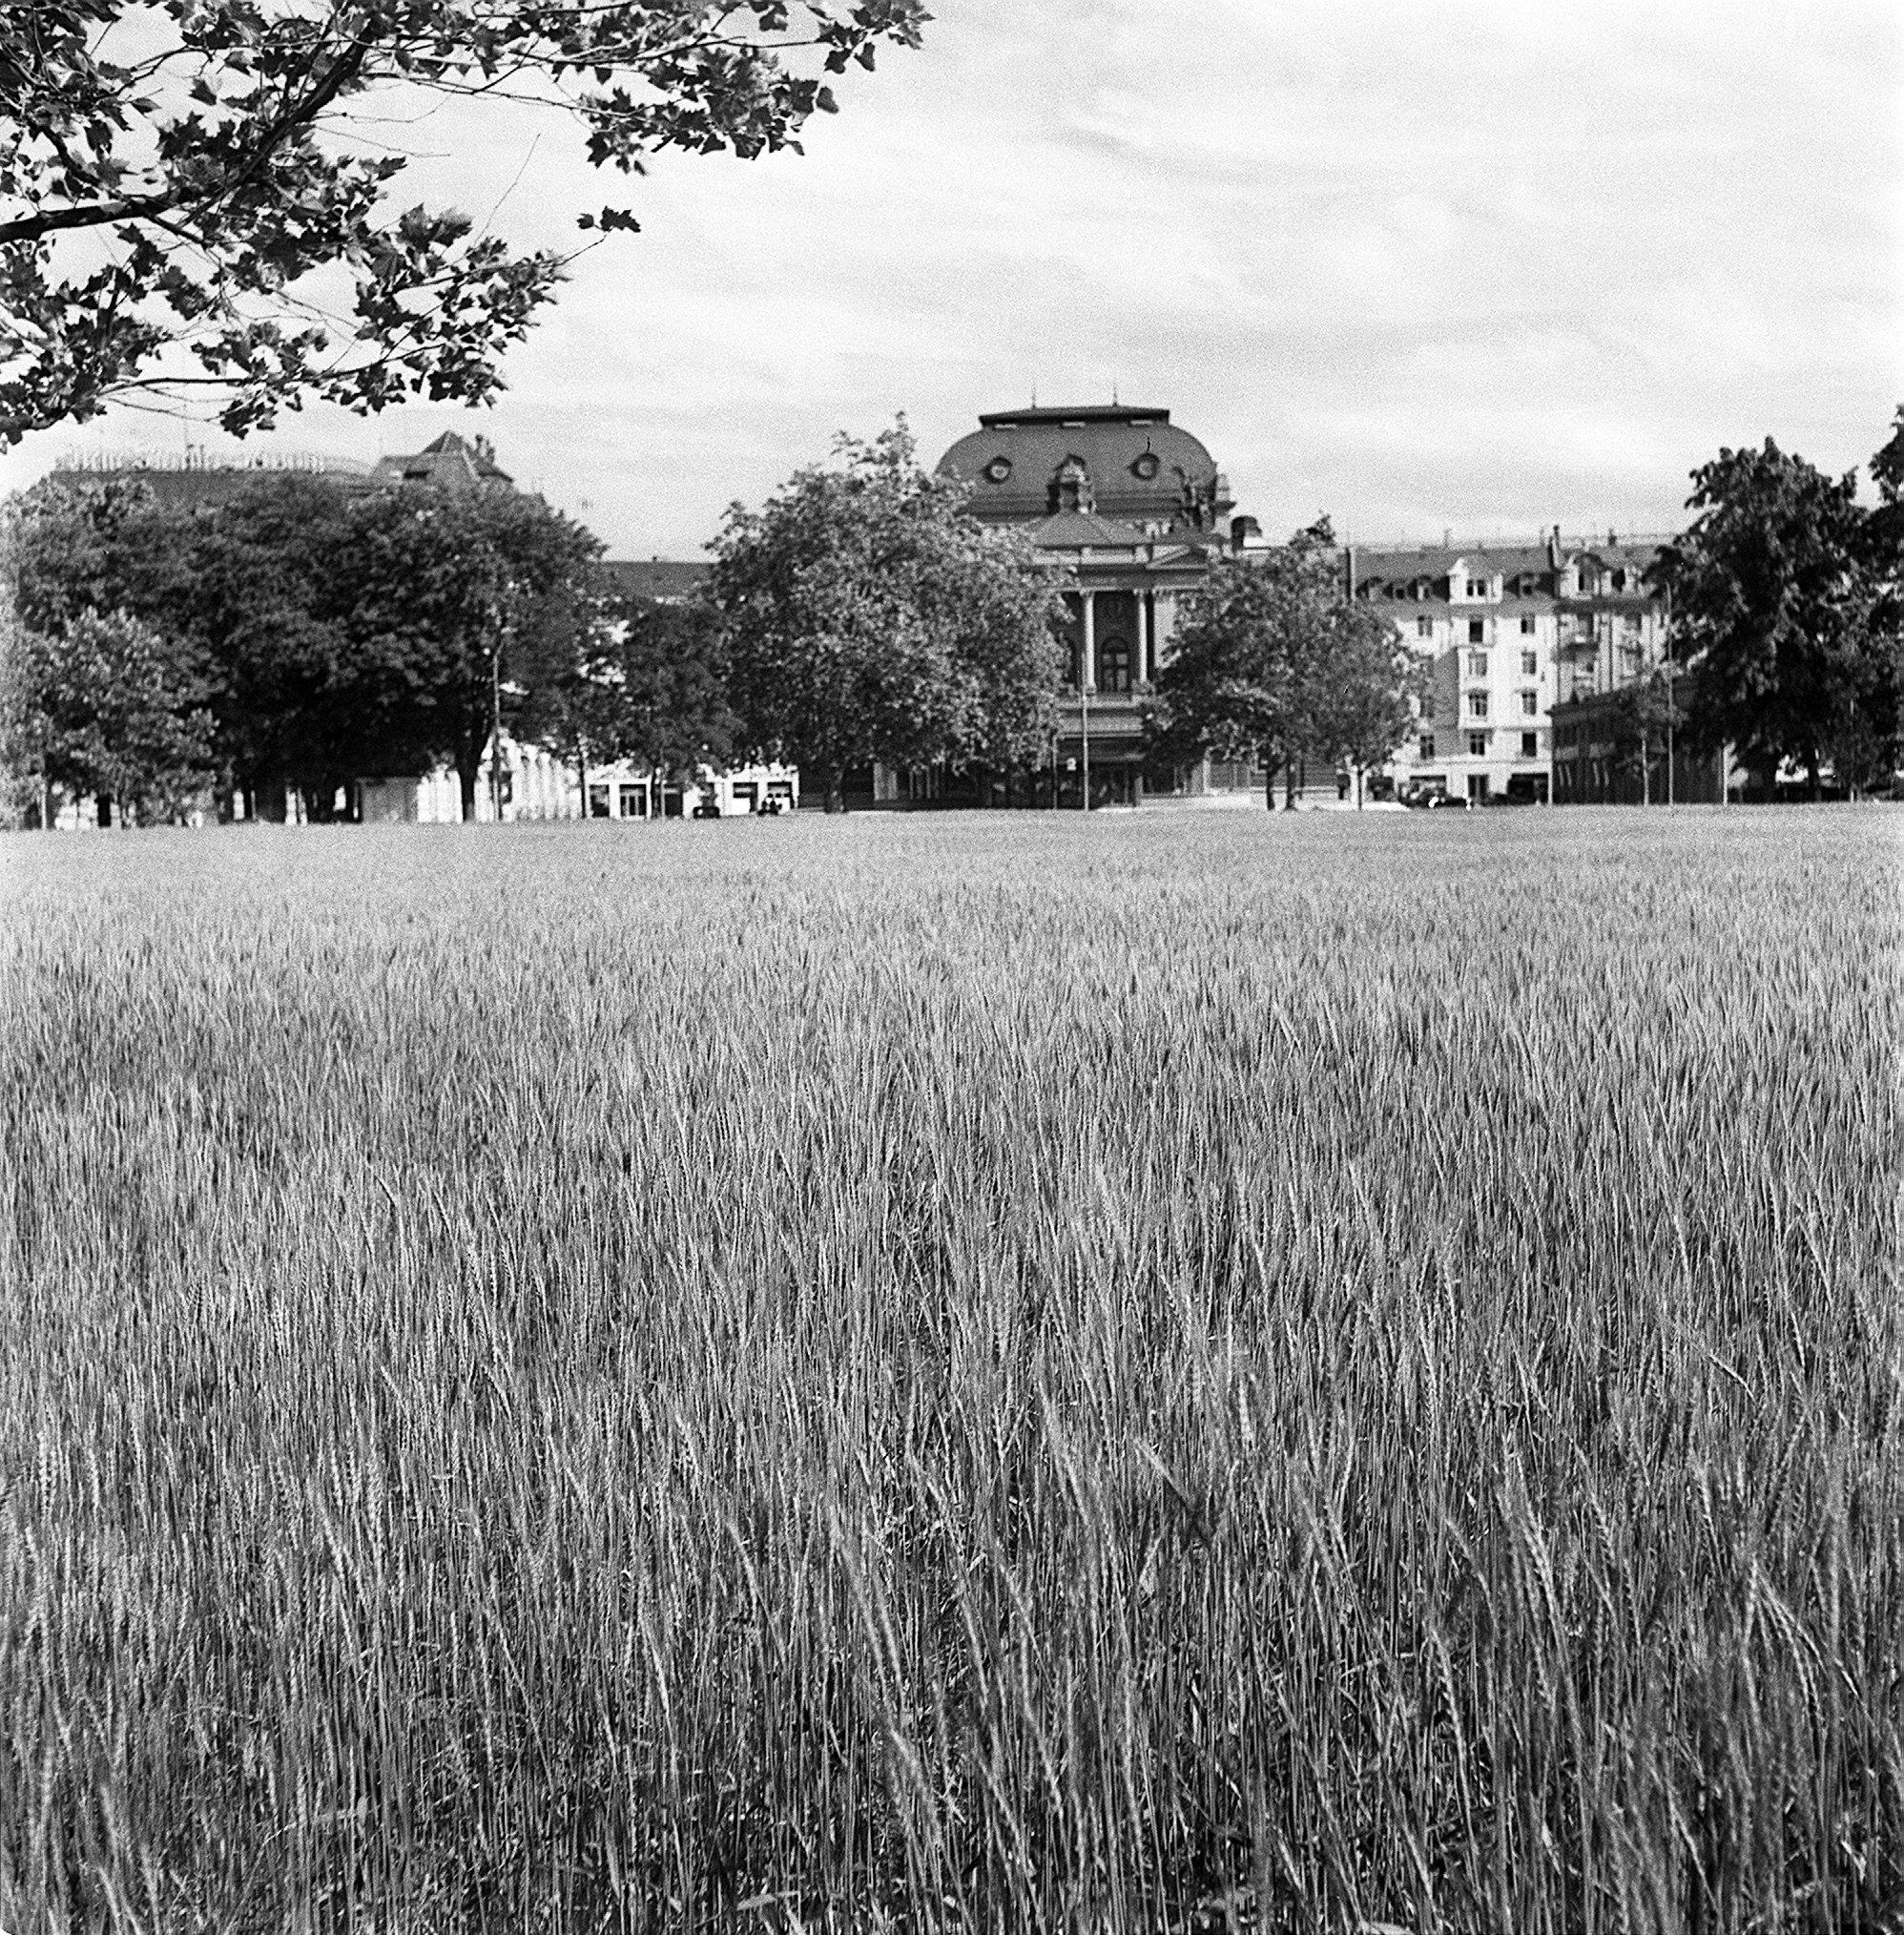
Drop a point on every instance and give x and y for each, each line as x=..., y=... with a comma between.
x=1116, y=461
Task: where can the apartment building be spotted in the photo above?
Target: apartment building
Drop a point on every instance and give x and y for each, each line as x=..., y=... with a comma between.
x=1511, y=632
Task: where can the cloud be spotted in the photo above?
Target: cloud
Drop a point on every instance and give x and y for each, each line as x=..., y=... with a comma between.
x=1481, y=264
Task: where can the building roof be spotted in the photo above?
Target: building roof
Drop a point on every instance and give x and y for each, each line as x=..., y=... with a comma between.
x=1084, y=530
x=450, y=463
x=1136, y=467
x=662, y=581
x=173, y=483
x=1405, y=564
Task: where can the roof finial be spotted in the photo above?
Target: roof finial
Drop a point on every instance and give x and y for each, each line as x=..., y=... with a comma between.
x=1034, y=392
x=1113, y=392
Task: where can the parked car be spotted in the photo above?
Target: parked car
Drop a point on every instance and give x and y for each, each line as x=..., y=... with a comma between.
x=1427, y=799
x=708, y=808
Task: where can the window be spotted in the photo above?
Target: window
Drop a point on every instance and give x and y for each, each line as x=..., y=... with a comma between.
x=1477, y=588
x=1113, y=665
x=1477, y=664
x=1428, y=703
x=598, y=803
x=1528, y=627
x=1478, y=745
x=1530, y=703
x=1477, y=630
x=1530, y=665
x=633, y=801
x=1477, y=705
x=1427, y=746
x=1633, y=623
x=1424, y=628
x=1619, y=581
x=1530, y=745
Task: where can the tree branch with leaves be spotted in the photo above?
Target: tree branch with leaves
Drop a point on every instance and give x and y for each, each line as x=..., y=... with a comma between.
x=179, y=178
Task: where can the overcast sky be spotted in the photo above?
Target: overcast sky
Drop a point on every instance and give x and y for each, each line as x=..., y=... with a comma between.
x=1483, y=267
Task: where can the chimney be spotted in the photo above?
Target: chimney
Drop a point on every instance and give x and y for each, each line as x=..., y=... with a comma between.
x=1554, y=549
x=1349, y=554
x=1241, y=531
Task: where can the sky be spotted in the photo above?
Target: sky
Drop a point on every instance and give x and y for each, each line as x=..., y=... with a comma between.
x=1480, y=268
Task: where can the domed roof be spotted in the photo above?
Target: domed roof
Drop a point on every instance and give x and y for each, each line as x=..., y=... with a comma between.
x=1131, y=464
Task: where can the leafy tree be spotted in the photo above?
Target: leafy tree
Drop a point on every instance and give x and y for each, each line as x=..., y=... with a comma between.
x=181, y=176
x=105, y=545
x=639, y=682
x=1362, y=683
x=1773, y=609
x=869, y=617
x=439, y=596
x=242, y=583
x=1868, y=748
x=262, y=608
x=1249, y=671
x=669, y=711
x=106, y=707
x=1644, y=716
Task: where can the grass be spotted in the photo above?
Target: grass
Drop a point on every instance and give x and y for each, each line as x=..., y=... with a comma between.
x=987, y=1371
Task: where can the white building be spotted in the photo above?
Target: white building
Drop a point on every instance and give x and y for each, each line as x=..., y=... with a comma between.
x=1511, y=632
x=537, y=785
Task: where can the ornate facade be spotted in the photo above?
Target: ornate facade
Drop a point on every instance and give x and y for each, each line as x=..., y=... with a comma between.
x=1525, y=641
x=1130, y=506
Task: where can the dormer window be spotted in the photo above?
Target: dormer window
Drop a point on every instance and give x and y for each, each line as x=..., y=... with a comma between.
x=998, y=469
x=1071, y=486
x=1146, y=465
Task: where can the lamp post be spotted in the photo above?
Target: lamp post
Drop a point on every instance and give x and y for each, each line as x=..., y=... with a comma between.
x=1086, y=684
x=496, y=731
x=1085, y=717
x=1669, y=696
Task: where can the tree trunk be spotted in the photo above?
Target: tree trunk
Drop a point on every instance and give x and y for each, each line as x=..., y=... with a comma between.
x=581, y=778
x=103, y=807
x=1289, y=786
x=466, y=785
x=45, y=804
x=1817, y=782
x=836, y=789
x=1270, y=786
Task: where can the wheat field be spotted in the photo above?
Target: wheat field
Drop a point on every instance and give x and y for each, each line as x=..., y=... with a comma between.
x=993, y=1372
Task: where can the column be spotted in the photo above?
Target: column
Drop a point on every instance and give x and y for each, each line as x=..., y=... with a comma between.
x=1088, y=655
x=1141, y=598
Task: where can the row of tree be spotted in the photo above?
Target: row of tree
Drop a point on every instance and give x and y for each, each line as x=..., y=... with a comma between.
x=1787, y=602
x=301, y=635
x=298, y=634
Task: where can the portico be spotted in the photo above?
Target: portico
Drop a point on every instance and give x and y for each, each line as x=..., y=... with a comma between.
x=1128, y=508
x=1122, y=599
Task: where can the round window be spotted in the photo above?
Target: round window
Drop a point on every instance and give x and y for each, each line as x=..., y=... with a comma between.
x=999, y=469
x=1146, y=466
